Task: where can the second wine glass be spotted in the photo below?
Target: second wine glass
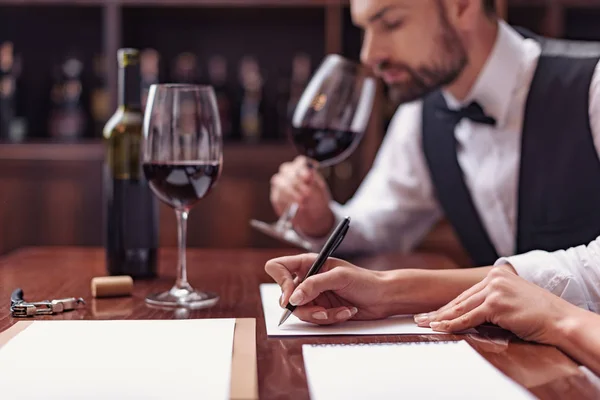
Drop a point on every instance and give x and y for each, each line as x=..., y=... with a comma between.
x=182, y=160
x=327, y=126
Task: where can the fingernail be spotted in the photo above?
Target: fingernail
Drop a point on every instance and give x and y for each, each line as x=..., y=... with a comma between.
x=281, y=301
x=343, y=314
x=297, y=297
x=321, y=315
x=353, y=311
x=435, y=326
x=420, y=318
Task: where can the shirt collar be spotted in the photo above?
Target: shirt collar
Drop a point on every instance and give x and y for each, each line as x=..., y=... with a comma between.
x=494, y=87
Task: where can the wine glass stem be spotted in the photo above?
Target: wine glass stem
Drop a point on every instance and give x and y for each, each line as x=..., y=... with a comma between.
x=182, y=282
x=285, y=221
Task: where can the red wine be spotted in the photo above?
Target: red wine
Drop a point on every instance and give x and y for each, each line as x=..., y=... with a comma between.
x=181, y=184
x=323, y=144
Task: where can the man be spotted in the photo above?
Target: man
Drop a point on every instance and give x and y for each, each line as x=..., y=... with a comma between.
x=498, y=133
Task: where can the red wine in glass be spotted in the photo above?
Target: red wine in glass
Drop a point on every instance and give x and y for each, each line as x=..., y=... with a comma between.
x=181, y=184
x=324, y=144
x=327, y=126
x=182, y=160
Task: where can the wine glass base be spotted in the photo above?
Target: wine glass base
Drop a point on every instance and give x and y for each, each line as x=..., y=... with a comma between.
x=186, y=298
x=288, y=236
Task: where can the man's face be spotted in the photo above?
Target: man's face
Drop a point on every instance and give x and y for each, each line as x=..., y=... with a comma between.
x=410, y=44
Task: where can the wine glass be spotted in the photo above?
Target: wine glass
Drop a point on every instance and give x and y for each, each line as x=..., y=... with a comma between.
x=327, y=126
x=182, y=160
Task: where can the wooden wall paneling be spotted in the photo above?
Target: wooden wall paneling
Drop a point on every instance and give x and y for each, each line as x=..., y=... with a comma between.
x=50, y=202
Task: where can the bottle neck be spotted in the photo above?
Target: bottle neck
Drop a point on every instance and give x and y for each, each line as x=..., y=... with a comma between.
x=130, y=88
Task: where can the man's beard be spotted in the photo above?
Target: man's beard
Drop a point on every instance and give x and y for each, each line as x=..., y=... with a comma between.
x=451, y=59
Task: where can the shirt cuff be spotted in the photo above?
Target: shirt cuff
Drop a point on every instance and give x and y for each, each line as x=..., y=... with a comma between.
x=540, y=268
x=318, y=243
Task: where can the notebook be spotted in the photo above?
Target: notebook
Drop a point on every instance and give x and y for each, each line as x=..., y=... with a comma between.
x=425, y=370
x=119, y=359
x=399, y=325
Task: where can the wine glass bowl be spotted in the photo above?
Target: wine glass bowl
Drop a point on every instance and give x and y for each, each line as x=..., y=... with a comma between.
x=182, y=161
x=327, y=125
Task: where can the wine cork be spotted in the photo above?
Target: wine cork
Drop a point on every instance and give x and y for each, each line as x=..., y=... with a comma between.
x=112, y=286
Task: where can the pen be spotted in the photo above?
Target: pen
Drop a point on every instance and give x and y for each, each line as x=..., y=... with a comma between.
x=332, y=243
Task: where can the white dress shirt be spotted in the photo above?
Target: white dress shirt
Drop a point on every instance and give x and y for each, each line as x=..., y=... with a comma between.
x=572, y=274
x=395, y=206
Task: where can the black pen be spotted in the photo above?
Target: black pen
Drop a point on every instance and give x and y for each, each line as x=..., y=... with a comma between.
x=332, y=243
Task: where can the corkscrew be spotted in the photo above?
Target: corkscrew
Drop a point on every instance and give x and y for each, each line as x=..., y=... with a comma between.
x=21, y=308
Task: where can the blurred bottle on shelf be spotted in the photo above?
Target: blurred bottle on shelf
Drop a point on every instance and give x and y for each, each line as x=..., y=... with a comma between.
x=185, y=69
x=67, y=117
x=301, y=71
x=218, y=79
x=100, y=99
x=290, y=90
x=281, y=107
x=13, y=125
x=150, y=69
x=252, y=105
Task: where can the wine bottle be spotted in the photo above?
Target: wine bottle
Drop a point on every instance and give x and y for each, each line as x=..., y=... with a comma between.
x=7, y=89
x=100, y=98
x=131, y=209
x=217, y=73
x=185, y=69
x=68, y=118
x=13, y=124
x=252, y=105
x=301, y=70
x=149, y=64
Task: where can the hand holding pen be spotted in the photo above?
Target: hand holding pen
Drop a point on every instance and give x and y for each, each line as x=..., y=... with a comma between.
x=339, y=291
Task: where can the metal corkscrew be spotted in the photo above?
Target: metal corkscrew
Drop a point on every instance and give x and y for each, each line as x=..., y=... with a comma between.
x=21, y=308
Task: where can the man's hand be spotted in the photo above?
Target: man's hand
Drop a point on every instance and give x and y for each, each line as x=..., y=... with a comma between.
x=297, y=182
x=341, y=291
x=507, y=300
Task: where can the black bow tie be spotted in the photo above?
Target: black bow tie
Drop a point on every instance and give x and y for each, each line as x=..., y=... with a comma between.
x=473, y=111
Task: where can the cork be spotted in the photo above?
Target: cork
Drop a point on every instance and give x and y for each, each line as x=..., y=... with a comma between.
x=112, y=286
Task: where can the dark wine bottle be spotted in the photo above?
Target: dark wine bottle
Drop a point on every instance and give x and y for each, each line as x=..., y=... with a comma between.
x=100, y=98
x=13, y=124
x=301, y=70
x=131, y=209
x=150, y=67
x=252, y=106
x=68, y=119
x=185, y=69
x=217, y=74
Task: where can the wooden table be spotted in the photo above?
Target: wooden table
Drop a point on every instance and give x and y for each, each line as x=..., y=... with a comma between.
x=236, y=275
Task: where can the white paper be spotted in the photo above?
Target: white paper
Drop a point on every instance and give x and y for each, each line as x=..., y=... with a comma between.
x=437, y=370
x=175, y=359
x=270, y=292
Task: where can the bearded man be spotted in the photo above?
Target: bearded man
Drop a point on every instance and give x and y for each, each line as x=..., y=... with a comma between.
x=498, y=132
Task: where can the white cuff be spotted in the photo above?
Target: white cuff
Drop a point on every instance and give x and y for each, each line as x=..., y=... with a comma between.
x=540, y=268
x=318, y=243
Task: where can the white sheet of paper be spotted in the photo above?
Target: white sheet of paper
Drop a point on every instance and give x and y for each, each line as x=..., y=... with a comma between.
x=270, y=292
x=438, y=370
x=175, y=359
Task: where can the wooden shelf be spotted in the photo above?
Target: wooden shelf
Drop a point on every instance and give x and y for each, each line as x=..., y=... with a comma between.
x=261, y=3
x=236, y=154
x=179, y=3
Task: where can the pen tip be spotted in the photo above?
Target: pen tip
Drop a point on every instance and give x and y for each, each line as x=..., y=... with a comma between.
x=284, y=317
